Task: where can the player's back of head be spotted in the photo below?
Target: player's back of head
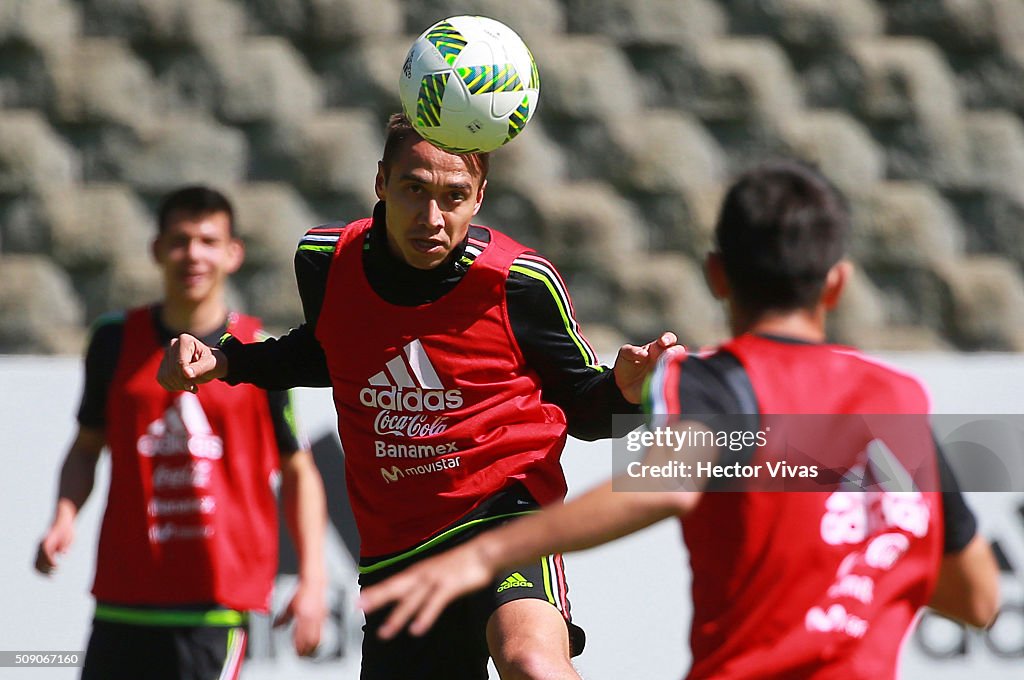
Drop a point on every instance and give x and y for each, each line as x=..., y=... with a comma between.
x=781, y=229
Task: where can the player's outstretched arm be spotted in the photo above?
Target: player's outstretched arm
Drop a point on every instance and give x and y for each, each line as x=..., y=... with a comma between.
x=968, y=587
x=634, y=363
x=188, y=363
x=421, y=592
x=305, y=509
x=77, y=476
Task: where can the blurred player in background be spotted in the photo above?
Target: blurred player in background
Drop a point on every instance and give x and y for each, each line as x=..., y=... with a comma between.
x=458, y=368
x=785, y=585
x=189, y=539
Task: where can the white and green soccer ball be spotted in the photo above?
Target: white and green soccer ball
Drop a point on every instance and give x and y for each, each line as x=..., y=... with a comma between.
x=469, y=84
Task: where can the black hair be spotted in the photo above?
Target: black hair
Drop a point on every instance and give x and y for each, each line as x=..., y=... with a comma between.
x=399, y=129
x=194, y=201
x=781, y=229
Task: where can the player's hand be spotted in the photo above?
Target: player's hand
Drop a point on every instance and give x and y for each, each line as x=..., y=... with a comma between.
x=421, y=592
x=188, y=363
x=55, y=543
x=307, y=609
x=633, y=364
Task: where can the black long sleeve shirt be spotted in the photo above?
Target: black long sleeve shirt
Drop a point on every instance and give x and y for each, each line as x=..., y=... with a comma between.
x=539, y=311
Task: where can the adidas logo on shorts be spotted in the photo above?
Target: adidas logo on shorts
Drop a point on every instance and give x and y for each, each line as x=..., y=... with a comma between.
x=516, y=580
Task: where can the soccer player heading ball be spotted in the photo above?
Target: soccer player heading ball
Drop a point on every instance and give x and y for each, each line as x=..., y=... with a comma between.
x=773, y=579
x=457, y=368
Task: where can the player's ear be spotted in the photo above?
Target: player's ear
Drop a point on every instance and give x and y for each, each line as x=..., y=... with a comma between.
x=479, y=197
x=380, y=181
x=236, y=255
x=714, y=276
x=835, y=283
x=154, y=249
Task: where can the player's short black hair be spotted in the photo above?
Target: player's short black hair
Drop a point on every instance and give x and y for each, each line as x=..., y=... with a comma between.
x=399, y=129
x=194, y=201
x=781, y=228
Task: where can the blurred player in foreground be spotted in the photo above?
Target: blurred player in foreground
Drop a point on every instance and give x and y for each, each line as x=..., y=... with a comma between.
x=188, y=544
x=458, y=368
x=793, y=585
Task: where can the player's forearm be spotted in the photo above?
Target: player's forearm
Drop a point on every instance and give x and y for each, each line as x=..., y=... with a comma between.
x=305, y=510
x=968, y=586
x=599, y=516
x=77, y=475
x=293, y=360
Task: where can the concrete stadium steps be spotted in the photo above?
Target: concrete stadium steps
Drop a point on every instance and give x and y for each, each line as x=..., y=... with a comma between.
x=33, y=156
x=100, y=81
x=336, y=153
x=804, y=27
x=585, y=78
x=272, y=217
x=959, y=26
x=839, y=144
x=166, y=22
x=311, y=23
x=658, y=291
x=363, y=74
x=266, y=79
x=166, y=153
x=39, y=23
x=95, y=225
x=39, y=307
x=987, y=303
x=528, y=18
x=913, y=107
x=905, y=224
x=659, y=22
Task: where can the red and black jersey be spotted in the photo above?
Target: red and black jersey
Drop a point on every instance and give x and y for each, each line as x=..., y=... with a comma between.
x=540, y=347
x=802, y=584
x=437, y=407
x=191, y=515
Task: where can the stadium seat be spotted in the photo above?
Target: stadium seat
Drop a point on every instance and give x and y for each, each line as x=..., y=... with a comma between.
x=585, y=93
x=337, y=153
x=100, y=80
x=40, y=309
x=668, y=291
x=988, y=301
x=166, y=22
x=98, y=224
x=906, y=93
x=313, y=23
x=176, y=150
x=528, y=18
x=839, y=145
x=745, y=80
x=33, y=158
x=266, y=79
x=271, y=218
x=629, y=23
x=43, y=24
x=905, y=224
x=807, y=26
x=364, y=74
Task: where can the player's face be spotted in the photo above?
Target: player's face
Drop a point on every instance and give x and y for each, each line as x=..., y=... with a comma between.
x=196, y=254
x=431, y=196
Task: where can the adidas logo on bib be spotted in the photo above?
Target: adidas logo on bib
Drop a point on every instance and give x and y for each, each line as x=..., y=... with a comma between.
x=409, y=383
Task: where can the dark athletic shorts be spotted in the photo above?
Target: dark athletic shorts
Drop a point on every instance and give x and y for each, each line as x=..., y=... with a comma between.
x=125, y=651
x=456, y=647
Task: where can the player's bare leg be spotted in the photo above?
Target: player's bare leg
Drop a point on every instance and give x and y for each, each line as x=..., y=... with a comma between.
x=528, y=640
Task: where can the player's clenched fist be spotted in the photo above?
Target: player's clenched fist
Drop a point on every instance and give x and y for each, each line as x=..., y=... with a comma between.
x=188, y=363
